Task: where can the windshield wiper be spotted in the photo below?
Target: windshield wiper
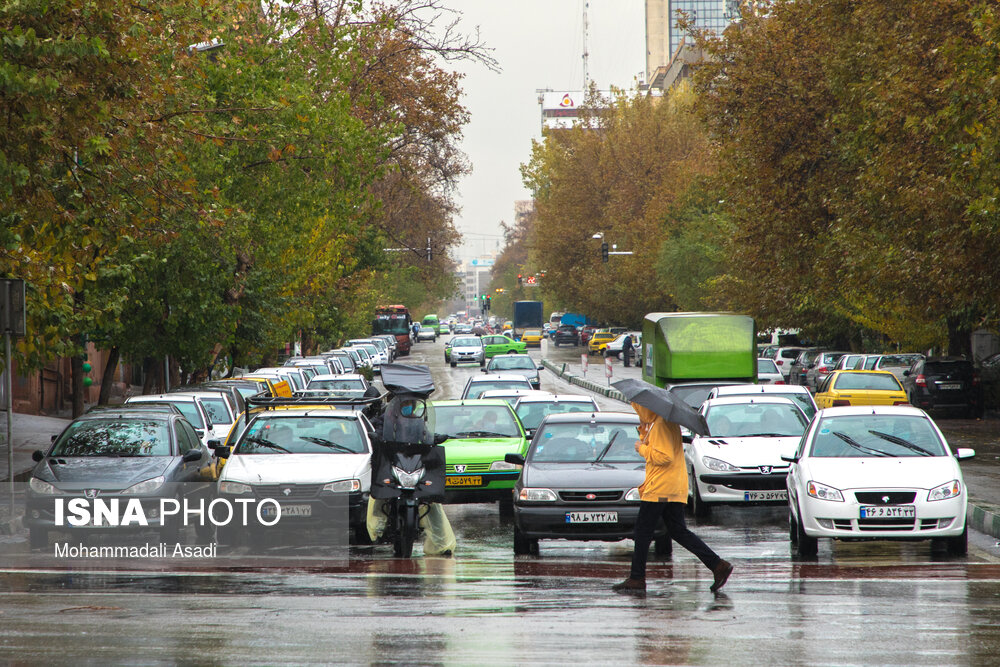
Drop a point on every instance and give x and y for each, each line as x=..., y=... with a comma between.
x=763, y=435
x=322, y=442
x=606, y=449
x=481, y=434
x=264, y=442
x=858, y=446
x=896, y=440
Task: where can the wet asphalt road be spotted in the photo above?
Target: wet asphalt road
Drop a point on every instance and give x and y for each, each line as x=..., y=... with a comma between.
x=870, y=603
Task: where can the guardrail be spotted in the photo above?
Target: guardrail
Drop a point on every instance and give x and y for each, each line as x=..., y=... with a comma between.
x=604, y=390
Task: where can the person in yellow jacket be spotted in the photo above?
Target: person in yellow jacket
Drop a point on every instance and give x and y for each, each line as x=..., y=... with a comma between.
x=664, y=494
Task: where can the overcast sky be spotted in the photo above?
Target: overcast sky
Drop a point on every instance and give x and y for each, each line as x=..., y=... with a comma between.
x=539, y=44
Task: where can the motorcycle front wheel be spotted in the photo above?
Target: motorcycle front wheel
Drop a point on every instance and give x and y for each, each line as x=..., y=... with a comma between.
x=406, y=533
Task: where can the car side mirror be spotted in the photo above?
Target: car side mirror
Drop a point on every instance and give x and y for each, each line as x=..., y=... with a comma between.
x=790, y=459
x=53, y=438
x=906, y=372
x=964, y=453
x=485, y=371
x=223, y=452
x=687, y=438
x=192, y=455
x=37, y=455
x=439, y=438
x=541, y=368
x=516, y=459
x=212, y=444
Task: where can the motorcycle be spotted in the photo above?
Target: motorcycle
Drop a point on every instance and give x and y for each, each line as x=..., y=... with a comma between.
x=409, y=473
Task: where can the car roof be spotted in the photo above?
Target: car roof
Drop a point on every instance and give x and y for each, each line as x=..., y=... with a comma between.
x=312, y=411
x=746, y=400
x=495, y=377
x=596, y=416
x=173, y=396
x=332, y=376
x=134, y=408
x=849, y=410
x=557, y=398
x=497, y=393
x=469, y=401
x=751, y=389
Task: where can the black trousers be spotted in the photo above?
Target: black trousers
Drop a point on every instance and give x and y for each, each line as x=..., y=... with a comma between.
x=627, y=355
x=673, y=517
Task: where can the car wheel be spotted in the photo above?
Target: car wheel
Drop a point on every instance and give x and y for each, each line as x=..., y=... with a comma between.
x=506, y=508
x=205, y=533
x=959, y=545
x=663, y=547
x=805, y=546
x=522, y=545
x=38, y=539
x=793, y=529
x=699, y=508
x=454, y=364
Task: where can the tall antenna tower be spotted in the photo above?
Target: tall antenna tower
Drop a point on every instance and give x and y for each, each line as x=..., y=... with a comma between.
x=586, y=55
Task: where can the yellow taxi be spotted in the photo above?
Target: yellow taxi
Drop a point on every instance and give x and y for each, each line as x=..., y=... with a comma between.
x=599, y=341
x=860, y=388
x=507, y=326
x=532, y=337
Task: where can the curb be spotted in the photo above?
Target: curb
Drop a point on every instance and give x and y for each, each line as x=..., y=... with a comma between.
x=560, y=370
x=984, y=520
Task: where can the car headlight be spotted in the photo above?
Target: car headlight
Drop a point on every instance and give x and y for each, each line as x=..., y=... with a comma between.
x=718, y=465
x=42, y=487
x=407, y=480
x=824, y=492
x=235, y=488
x=503, y=465
x=952, y=489
x=142, y=488
x=537, y=495
x=343, y=486
x=632, y=496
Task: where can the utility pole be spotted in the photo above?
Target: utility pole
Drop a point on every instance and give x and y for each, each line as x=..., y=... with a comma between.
x=586, y=55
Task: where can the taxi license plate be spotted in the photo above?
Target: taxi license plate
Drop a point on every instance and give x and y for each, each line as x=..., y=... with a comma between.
x=888, y=511
x=765, y=495
x=591, y=517
x=475, y=480
x=286, y=510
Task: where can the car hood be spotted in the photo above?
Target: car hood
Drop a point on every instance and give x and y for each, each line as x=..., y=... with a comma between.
x=747, y=452
x=296, y=468
x=110, y=472
x=584, y=475
x=922, y=472
x=480, y=450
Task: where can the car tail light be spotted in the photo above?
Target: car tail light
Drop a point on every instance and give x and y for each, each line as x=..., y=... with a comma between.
x=839, y=403
x=921, y=381
x=822, y=369
x=779, y=382
x=975, y=379
x=900, y=402
x=779, y=362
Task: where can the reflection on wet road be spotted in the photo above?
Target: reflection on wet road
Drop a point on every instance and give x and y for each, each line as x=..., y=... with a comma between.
x=866, y=603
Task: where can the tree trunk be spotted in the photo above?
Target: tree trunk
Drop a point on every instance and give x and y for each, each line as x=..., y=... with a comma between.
x=150, y=376
x=108, y=377
x=959, y=338
x=76, y=384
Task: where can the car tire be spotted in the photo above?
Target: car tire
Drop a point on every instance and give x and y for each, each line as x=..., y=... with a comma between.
x=360, y=535
x=958, y=545
x=170, y=533
x=522, y=545
x=205, y=533
x=454, y=364
x=793, y=529
x=38, y=539
x=805, y=546
x=663, y=547
x=699, y=509
x=506, y=508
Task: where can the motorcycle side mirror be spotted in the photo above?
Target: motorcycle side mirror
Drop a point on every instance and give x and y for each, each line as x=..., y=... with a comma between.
x=516, y=459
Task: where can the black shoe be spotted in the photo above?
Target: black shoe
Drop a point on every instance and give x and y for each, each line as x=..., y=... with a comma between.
x=721, y=572
x=630, y=586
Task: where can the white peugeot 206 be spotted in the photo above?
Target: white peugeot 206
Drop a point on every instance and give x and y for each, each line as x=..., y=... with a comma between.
x=876, y=472
x=740, y=461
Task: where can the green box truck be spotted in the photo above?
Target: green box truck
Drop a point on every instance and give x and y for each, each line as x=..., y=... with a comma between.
x=705, y=349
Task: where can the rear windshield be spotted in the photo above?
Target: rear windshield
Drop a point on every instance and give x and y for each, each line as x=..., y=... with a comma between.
x=476, y=389
x=217, y=410
x=508, y=363
x=790, y=354
x=766, y=366
x=531, y=414
x=945, y=367
x=902, y=360
x=870, y=381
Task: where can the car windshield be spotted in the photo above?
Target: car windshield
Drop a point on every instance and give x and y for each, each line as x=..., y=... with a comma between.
x=870, y=435
x=586, y=442
x=470, y=341
x=476, y=389
x=473, y=421
x=217, y=410
x=740, y=420
x=338, y=385
x=531, y=414
x=766, y=366
x=867, y=381
x=114, y=437
x=302, y=435
x=187, y=408
x=510, y=363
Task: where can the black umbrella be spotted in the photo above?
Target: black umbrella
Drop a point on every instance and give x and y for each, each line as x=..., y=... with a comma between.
x=663, y=403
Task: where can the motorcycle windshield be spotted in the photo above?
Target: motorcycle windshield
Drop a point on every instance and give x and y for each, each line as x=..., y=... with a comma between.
x=408, y=379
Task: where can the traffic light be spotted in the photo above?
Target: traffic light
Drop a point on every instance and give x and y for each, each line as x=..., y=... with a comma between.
x=520, y=280
x=604, y=252
x=489, y=302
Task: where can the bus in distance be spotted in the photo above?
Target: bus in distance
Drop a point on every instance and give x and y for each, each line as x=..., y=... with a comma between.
x=394, y=320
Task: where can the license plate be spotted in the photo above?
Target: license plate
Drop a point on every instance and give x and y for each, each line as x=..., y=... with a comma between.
x=286, y=510
x=888, y=511
x=476, y=480
x=765, y=495
x=591, y=517
x=950, y=387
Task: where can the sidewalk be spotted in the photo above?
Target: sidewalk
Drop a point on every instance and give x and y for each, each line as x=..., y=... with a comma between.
x=31, y=432
x=982, y=473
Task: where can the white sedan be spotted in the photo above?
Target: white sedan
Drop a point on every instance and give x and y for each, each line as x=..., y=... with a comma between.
x=876, y=472
x=741, y=461
x=768, y=373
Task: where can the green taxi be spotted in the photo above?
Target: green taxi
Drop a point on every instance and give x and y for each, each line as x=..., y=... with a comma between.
x=495, y=344
x=480, y=432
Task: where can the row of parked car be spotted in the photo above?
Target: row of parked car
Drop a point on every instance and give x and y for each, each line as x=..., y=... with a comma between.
x=940, y=384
